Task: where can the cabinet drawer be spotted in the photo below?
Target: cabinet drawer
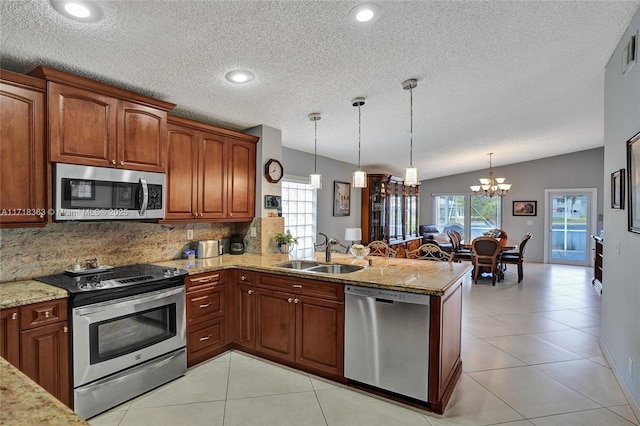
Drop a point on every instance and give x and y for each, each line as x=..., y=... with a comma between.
x=245, y=277
x=38, y=314
x=195, y=282
x=205, y=304
x=206, y=336
x=300, y=286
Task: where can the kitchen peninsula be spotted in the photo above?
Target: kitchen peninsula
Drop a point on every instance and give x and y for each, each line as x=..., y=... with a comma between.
x=442, y=281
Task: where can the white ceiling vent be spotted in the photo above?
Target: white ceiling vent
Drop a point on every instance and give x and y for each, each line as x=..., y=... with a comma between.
x=629, y=54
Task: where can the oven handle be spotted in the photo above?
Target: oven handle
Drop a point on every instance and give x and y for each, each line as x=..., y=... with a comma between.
x=145, y=197
x=127, y=301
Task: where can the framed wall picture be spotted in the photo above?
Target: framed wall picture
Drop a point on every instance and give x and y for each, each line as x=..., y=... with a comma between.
x=341, y=198
x=272, y=202
x=617, y=189
x=525, y=208
x=633, y=179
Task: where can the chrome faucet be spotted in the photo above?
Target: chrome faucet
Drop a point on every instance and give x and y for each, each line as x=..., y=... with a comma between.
x=328, y=241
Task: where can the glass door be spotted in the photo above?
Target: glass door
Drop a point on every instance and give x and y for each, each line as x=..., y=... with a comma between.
x=570, y=221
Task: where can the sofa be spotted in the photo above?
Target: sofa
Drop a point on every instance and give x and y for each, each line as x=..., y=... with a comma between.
x=431, y=234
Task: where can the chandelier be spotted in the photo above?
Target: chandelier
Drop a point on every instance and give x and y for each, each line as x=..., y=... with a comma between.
x=492, y=186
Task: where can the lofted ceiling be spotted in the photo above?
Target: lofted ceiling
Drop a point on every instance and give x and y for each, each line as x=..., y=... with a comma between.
x=522, y=79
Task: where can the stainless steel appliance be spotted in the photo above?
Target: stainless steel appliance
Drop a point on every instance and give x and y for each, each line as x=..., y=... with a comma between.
x=99, y=193
x=128, y=332
x=236, y=245
x=209, y=248
x=386, y=340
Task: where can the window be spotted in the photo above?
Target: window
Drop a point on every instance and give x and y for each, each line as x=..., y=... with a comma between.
x=470, y=215
x=299, y=212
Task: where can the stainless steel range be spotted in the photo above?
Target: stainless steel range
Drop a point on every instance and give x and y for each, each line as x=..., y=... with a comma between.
x=128, y=332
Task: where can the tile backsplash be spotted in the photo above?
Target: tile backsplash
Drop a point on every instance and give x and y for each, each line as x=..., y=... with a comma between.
x=32, y=252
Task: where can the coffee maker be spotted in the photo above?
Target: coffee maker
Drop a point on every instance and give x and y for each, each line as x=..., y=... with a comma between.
x=236, y=245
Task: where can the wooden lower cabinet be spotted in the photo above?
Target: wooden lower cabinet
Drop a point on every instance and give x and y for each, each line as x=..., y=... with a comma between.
x=301, y=322
x=245, y=310
x=207, y=299
x=35, y=339
x=10, y=336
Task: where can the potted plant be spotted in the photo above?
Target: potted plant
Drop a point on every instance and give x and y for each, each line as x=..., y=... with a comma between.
x=285, y=241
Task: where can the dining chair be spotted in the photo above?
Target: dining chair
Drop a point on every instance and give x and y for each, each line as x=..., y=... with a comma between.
x=485, y=255
x=429, y=251
x=380, y=248
x=517, y=257
x=458, y=252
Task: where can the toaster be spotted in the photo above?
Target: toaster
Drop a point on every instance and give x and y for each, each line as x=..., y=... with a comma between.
x=209, y=248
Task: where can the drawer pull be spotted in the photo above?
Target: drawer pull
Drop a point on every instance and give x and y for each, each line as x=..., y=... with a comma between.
x=248, y=291
x=47, y=314
x=205, y=306
x=14, y=316
x=243, y=278
x=290, y=300
x=202, y=339
x=296, y=285
x=205, y=280
x=65, y=329
x=296, y=300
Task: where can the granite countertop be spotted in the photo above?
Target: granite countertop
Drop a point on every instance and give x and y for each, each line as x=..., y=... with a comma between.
x=29, y=403
x=18, y=293
x=415, y=276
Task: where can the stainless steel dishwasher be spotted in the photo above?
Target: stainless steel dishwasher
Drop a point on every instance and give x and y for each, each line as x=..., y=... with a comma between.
x=386, y=341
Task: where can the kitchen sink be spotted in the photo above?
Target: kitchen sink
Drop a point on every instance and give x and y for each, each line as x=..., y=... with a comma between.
x=297, y=264
x=334, y=268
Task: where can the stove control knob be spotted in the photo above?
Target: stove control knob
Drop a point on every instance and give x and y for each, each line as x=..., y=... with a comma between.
x=99, y=284
x=176, y=271
x=167, y=273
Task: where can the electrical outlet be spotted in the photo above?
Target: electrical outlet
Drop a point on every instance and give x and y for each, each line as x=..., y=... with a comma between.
x=189, y=234
x=253, y=231
x=630, y=367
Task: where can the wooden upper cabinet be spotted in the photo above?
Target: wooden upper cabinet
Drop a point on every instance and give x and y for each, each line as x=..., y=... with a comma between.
x=96, y=124
x=211, y=173
x=23, y=168
x=242, y=179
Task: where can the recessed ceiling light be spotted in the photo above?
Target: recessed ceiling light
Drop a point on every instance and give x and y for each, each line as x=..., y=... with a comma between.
x=365, y=12
x=239, y=76
x=79, y=10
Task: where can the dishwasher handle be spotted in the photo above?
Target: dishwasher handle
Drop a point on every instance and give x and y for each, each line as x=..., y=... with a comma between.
x=384, y=300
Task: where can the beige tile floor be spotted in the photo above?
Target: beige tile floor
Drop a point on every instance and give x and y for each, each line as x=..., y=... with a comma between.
x=530, y=357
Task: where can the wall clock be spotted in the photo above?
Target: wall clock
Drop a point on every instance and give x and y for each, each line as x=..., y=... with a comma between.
x=273, y=171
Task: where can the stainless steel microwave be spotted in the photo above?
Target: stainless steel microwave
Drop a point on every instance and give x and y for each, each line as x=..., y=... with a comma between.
x=99, y=193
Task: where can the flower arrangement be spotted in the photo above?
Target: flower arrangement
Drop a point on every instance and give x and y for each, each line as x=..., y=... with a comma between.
x=285, y=239
x=359, y=251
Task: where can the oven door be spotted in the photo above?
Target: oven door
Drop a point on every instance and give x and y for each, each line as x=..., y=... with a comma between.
x=114, y=335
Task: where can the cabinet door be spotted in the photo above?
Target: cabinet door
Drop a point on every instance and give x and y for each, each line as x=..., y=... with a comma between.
x=10, y=336
x=320, y=334
x=23, y=184
x=242, y=179
x=275, y=316
x=82, y=126
x=45, y=358
x=245, y=315
x=212, y=182
x=141, y=133
x=182, y=185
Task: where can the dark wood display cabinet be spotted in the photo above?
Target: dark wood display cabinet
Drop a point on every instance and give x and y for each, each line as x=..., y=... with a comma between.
x=24, y=177
x=390, y=212
x=211, y=173
x=35, y=339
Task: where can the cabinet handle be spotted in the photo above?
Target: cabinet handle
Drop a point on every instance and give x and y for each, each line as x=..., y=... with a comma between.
x=113, y=161
x=14, y=316
x=121, y=163
x=230, y=214
x=202, y=339
x=205, y=306
x=204, y=280
x=290, y=300
x=296, y=285
x=47, y=314
x=248, y=291
x=296, y=300
x=41, y=215
x=65, y=329
x=243, y=278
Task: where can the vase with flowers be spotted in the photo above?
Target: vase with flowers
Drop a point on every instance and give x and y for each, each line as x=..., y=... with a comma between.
x=285, y=241
x=359, y=251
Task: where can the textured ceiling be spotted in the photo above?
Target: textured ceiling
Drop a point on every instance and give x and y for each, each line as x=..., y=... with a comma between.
x=522, y=79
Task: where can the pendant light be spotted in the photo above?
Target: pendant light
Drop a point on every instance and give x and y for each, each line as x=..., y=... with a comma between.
x=359, y=176
x=315, y=179
x=410, y=173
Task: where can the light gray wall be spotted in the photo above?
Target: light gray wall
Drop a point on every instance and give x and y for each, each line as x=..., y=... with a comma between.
x=582, y=169
x=620, y=330
x=300, y=163
x=269, y=146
